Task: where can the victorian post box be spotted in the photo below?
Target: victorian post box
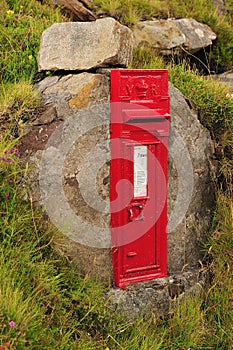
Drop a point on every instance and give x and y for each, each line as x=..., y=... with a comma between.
x=139, y=131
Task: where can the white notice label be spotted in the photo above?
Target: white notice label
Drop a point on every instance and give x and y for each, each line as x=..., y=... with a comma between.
x=140, y=171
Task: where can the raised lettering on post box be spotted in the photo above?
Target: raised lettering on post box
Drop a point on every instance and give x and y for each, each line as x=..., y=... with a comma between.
x=139, y=132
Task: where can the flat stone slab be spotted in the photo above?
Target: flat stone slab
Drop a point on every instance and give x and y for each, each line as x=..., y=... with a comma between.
x=85, y=45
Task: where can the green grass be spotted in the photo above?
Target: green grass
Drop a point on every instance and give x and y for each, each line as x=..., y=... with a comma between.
x=46, y=304
x=21, y=25
x=129, y=12
x=18, y=101
x=218, y=301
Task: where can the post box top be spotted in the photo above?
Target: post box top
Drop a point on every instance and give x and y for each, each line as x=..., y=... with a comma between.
x=139, y=85
x=145, y=91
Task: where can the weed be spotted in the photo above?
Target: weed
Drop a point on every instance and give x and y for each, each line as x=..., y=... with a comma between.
x=147, y=58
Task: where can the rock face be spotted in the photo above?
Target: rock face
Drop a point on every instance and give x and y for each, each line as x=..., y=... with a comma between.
x=86, y=45
x=167, y=35
x=74, y=91
x=158, y=296
x=74, y=187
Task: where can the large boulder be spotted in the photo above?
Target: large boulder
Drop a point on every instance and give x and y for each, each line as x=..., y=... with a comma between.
x=190, y=204
x=71, y=154
x=83, y=137
x=85, y=45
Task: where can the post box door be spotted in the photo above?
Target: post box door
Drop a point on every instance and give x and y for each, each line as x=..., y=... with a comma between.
x=139, y=226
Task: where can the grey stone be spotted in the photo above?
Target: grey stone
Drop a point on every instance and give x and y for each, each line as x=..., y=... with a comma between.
x=74, y=183
x=85, y=45
x=160, y=34
x=190, y=191
x=197, y=35
x=74, y=91
x=169, y=35
x=158, y=297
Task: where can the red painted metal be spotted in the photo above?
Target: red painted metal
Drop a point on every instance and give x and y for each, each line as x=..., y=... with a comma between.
x=139, y=132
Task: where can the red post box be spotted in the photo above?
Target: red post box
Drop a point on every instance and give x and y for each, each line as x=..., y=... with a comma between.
x=139, y=132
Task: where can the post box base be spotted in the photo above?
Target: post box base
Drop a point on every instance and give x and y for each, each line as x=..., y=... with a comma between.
x=158, y=296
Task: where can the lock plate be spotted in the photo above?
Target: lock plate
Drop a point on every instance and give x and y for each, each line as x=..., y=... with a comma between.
x=136, y=212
